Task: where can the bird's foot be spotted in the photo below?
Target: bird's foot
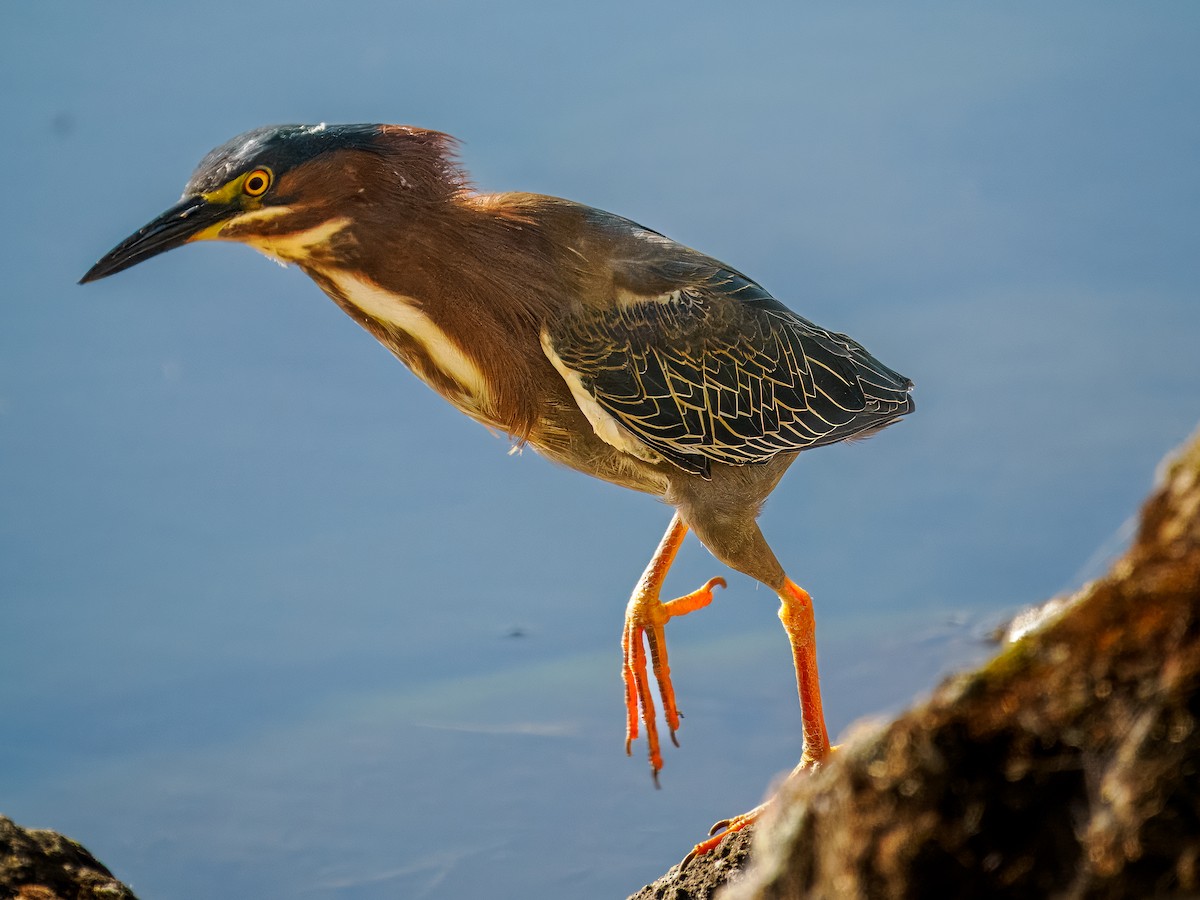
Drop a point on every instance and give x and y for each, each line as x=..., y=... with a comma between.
x=722, y=830
x=645, y=619
x=726, y=827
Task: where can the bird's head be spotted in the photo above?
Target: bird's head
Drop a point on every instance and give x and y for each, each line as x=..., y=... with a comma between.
x=302, y=193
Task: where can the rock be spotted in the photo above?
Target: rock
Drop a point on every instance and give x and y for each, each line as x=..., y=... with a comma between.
x=1068, y=766
x=700, y=880
x=44, y=865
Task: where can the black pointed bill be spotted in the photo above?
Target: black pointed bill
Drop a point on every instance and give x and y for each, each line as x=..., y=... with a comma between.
x=181, y=223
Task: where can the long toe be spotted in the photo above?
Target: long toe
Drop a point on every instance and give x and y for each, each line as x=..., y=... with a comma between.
x=722, y=830
x=645, y=627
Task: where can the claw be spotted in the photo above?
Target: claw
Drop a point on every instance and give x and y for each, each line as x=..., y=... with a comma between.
x=726, y=827
x=644, y=628
x=697, y=599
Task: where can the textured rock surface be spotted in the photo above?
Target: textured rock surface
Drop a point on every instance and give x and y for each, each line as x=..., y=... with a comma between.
x=1068, y=766
x=44, y=865
x=702, y=879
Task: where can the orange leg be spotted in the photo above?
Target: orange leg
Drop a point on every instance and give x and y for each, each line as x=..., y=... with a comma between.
x=645, y=617
x=796, y=613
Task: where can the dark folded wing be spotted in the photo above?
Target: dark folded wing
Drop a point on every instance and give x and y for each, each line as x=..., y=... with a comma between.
x=718, y=370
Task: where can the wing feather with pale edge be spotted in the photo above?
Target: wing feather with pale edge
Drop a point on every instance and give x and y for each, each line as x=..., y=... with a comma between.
x=720, y=371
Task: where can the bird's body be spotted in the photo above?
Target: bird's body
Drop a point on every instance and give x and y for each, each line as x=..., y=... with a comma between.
x=606, y=346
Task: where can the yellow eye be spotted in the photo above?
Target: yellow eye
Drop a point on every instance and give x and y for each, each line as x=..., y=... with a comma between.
x=256, y=183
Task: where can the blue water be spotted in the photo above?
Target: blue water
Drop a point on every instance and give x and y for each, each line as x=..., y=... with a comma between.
x=275, y=621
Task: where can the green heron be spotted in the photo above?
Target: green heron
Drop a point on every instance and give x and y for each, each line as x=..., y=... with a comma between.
x=604, y=345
